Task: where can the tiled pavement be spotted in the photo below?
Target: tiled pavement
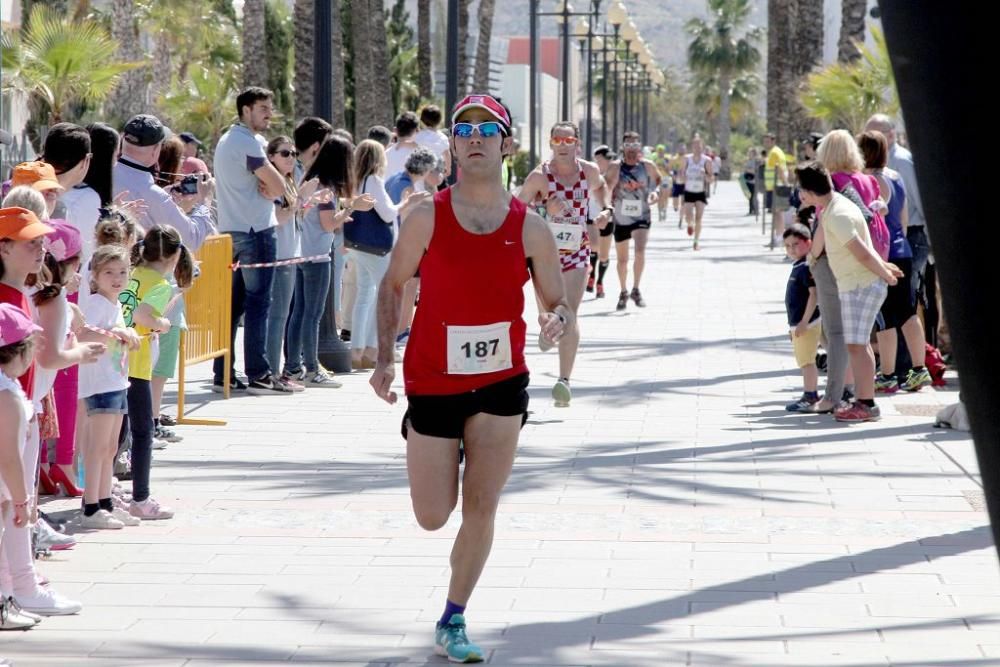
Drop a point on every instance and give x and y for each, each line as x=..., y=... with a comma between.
x=675, y=515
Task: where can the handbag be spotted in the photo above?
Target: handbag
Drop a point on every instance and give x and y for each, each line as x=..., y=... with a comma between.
x=367, y=232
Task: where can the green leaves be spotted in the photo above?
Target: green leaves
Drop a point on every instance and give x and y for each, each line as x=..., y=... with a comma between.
x=846, y=95
x=61, y=62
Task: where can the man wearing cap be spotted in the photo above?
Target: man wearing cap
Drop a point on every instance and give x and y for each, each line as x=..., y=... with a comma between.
x=464, y=370
x=142, y=139
x=191, y=144
x=247, y=186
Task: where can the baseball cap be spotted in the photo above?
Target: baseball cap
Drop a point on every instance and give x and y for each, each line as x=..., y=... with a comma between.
x=15, y=325
x=64, y=241
x=487, y=102
x=189, y=138
x=145, y=130
x=39, y=175
x=20, y=224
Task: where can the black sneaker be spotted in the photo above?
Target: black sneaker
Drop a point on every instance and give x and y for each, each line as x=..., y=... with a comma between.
x=345, y=335
x=235, y=384
x=622, y=301
x=267, y=386
x=637, y=297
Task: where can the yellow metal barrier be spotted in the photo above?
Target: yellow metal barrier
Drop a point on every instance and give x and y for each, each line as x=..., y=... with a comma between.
x=209, y=318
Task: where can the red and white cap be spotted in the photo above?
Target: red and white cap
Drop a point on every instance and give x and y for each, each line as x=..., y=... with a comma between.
x=15, y=326
x=487, y=102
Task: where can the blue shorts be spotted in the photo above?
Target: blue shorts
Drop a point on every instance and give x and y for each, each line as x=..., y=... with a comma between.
x=677, y=190
x=109, y=403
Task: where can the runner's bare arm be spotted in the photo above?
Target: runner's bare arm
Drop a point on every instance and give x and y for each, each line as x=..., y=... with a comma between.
x=611, y=178
x=533, y=188
x=651, y=168
x=546, y=272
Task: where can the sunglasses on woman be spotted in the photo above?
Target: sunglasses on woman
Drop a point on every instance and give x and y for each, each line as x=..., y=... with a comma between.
x=486, y=130
x=287, y=153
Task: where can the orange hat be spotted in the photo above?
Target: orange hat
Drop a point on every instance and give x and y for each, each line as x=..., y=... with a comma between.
x=20, y=224
x=39, y=175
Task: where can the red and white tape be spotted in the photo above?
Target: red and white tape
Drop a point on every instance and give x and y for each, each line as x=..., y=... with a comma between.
x=284, y=262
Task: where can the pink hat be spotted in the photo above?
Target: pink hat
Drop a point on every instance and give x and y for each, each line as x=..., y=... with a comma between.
x=485, y=102
x=15, y=326
x=193, y=165
x=64, y=242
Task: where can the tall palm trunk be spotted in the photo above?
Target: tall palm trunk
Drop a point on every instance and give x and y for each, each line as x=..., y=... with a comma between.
x=781, y=19
x=463, y=40
x=361, y=58
x=852, y=28
x=424, y=49
x=809, y=43
x=304, y=21
x=254, y=44
x=481, y=79
x=382, y=82
x=725, y=97
x=337, y=67
x=129, y=98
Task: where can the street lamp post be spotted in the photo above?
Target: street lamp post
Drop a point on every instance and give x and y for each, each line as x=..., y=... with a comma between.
x=332, y=352
x=616, y=16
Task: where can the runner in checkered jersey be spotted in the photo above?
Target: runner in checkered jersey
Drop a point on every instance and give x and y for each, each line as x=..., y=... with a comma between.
x=564, y=186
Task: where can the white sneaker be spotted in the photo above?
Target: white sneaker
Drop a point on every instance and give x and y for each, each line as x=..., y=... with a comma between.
x=47, y=602
x=12, y=605
x=122, y=515
x=159, y=444
x=121, y=503
x=46, y=537
x=101, y=520
x=150, y=510
x=13, y=618
x=321, y=378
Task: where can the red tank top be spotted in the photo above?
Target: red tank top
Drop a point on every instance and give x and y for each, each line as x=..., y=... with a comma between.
x=469, y=330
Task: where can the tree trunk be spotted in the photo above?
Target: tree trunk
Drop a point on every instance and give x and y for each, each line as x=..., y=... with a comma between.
x=463, y=40
x=809, y=42
x=337, y=67
x=424, y=49
x=254, y=44
x=852, y=28
x=364, y=93
x=129, y=98
x=381, y=82
x=725, y=96
x=163, y=57
x=781, y=21
x=304, y=21
x=481, y=79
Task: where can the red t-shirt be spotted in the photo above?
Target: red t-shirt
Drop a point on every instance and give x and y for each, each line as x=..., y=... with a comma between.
x=16, y=297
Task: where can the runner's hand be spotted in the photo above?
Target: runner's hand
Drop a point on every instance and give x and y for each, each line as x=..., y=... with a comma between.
x=381, y=381
x=552, y=325
x=652, y=198
x=603, y=219
x=554, y=207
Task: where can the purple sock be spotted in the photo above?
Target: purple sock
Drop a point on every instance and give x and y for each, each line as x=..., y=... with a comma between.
x=449, y=609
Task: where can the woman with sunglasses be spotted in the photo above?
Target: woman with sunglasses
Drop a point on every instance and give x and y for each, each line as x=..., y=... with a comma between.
x=565, y=186
x=282, y=154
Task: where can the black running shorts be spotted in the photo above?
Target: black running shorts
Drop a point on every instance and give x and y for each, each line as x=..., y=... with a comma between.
x=624, y=232
x=444, y=416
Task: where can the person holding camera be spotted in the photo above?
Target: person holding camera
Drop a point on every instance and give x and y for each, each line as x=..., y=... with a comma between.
x=184, y=205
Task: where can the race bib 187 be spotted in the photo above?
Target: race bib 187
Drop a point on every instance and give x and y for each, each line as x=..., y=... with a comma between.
x=479, y=349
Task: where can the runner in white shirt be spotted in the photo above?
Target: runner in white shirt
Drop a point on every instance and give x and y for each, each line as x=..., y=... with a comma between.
x=698, y=177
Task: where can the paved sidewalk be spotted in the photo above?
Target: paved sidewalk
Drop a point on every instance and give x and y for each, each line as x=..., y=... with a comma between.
x=674, y=515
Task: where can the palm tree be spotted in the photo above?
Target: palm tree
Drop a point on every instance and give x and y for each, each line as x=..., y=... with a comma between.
x=363, y=68
x=130, y=97
x=337, y=67
x=780, y=66
x=852, y=30
x=463, y=39
x=845, y=95
x=742, y=101
x=424, y=48
x=254, y=44
x=381, y=84
x=481, y=78
x=809, y=45
x=60, y=63
x=304, y=29
x=717, y=50
x=204, y=102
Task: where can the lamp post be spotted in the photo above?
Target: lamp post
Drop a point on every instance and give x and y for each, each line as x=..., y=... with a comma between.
x=617, y=15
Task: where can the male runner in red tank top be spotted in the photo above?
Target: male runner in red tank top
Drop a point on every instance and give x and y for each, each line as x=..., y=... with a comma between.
x=464, y=370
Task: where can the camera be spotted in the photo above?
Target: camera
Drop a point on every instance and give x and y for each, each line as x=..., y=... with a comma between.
x=189, y=185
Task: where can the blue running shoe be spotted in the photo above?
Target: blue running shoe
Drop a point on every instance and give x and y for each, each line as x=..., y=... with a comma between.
x=450, y=641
